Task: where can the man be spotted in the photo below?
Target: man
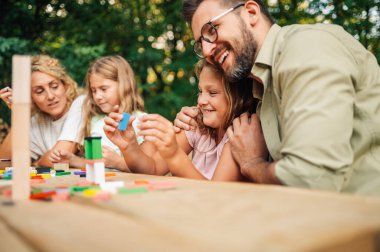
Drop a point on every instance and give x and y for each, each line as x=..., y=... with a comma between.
x=319, y=90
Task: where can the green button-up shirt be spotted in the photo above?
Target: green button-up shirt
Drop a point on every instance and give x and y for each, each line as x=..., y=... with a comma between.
x=320, y=109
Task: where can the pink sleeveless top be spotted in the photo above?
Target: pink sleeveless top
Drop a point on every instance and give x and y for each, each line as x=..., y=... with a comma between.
x=206, y=153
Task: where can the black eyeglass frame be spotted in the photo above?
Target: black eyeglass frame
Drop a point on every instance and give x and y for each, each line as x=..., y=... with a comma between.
x=198, y=44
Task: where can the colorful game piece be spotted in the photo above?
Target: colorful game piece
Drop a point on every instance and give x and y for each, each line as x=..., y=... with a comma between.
x=79, y=172
x=133, y=190
x=124, y=122
x=94, y=163
x=61, y=166
x=112, y=186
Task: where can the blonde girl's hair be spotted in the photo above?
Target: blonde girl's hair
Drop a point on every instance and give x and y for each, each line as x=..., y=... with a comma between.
x=114, y=68
x=51, y=66
x=239, y=99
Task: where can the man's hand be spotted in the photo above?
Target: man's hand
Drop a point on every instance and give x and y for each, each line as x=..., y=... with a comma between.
x=185, y=119
x=249, y=149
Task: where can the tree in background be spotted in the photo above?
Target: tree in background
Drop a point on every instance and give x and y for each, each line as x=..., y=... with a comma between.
x=151, y=35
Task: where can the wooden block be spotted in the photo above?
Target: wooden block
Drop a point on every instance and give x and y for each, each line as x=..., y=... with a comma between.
x=61, y=166
x=99, y=176
x=21, y=76
x=90, y=174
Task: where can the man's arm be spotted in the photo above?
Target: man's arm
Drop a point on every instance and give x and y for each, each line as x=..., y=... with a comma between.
x=249, y=150
x=314, y=78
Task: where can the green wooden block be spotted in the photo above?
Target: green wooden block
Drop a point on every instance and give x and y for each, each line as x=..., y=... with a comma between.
x=96, y=148
x=87, y=148
x=82, y=188
x=62, y=173
x=133, y=190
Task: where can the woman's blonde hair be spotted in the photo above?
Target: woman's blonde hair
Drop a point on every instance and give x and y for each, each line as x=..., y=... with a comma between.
x=239, y=99
x=51, y=66
x=114, y=68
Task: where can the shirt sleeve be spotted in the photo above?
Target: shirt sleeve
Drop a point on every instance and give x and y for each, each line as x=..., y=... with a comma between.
x=315, y=83
x=71, y=128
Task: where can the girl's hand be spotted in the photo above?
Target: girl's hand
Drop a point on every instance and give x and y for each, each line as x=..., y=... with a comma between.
x=185, y=119
x=121, y=138
x=6, y=96
x=111, y=158
x=60, y=156
x=158, y=130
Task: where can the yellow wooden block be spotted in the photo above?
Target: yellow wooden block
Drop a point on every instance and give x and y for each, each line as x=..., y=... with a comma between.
x=90, y=192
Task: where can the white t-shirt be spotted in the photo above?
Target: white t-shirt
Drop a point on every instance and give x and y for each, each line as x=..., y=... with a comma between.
x=71, y=128
x=45, y=133
x=97, y=123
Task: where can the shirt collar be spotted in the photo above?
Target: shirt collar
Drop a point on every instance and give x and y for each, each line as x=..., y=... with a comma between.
x=265, y=55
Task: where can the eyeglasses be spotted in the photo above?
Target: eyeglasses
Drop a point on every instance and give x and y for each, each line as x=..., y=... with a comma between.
x=209, y=32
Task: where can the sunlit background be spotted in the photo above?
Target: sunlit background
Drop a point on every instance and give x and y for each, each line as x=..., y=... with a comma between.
x=151, y=35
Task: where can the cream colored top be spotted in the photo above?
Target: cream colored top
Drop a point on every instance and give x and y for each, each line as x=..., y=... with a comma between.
x=320, y=109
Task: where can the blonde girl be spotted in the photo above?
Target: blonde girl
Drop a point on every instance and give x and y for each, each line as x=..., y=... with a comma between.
x=110, y=84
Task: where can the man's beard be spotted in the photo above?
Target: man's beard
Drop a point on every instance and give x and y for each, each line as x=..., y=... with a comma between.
x=245, y=51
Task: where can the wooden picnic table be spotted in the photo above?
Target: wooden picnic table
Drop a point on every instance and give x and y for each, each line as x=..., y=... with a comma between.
x=193, y=216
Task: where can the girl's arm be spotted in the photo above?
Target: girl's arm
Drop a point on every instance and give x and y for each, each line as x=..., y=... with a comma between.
x=227, y=169
x=113, y=160
x=173, y=148
x=142, y=158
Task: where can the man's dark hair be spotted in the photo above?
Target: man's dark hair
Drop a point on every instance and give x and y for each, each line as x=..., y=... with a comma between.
x=190, y=6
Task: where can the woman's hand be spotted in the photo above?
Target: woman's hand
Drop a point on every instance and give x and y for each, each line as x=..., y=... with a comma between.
x=60, y=156
x=6, y=96
x=185, y=119
x=158, y=130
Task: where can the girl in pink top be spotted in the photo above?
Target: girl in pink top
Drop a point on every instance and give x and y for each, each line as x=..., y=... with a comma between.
x=163, y=150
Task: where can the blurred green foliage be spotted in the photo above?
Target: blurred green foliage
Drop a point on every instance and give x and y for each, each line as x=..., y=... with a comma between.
x=151, y=35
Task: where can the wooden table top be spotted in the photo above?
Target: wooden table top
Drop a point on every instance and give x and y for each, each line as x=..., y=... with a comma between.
x=193, y=216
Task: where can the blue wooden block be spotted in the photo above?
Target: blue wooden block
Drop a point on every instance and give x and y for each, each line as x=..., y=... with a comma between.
x=124, y=122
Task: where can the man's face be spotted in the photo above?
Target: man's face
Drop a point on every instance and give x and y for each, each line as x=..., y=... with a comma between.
x=235, y=48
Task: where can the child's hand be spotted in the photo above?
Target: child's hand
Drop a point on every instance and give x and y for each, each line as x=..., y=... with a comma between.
x=158, y=130
x=121, y=138
x=60, y=156
x=111, y=158
x=6, y=96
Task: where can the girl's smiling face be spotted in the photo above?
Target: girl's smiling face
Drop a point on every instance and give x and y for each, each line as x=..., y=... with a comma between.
x=212, y=99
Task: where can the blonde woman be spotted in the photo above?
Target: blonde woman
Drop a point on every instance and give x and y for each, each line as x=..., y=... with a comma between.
x=53, y=91
x=110, y=83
